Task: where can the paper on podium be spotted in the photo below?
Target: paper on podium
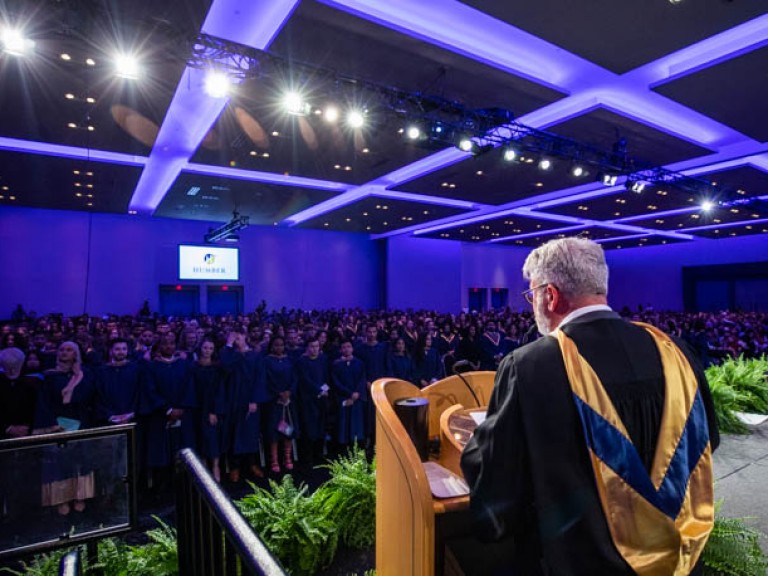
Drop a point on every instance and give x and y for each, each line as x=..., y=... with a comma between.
x=443, y=483
x=479, y=416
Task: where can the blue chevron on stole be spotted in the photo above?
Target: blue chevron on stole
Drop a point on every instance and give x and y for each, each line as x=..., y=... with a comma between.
x=659, y=521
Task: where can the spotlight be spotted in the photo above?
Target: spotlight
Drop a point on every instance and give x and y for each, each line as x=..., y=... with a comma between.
x=355, y=119
x=707, y=205
x=608, y=179
x=510, y=154
x=331, y=114
x=413, y=132
x=578, y=171
x=126, y=67
x=466, y=144
x=545, y=164
x=217, y=84
x=295, y=105
x=636, y=186
x=14, y=42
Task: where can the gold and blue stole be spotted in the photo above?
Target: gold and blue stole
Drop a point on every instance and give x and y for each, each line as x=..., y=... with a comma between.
x=659, y=521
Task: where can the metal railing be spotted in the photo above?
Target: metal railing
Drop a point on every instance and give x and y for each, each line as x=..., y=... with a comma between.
x=213, y=537
x=69, y=565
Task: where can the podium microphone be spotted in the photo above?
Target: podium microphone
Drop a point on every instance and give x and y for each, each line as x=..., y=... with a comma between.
x=464, y=364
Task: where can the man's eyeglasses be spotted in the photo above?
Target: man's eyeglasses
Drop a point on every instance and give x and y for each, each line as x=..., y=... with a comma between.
x=528, y=294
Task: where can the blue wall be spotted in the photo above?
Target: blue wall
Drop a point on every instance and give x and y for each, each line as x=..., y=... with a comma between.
x=73, y=262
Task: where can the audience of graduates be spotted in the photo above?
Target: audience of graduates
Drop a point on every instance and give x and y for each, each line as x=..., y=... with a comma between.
x=236, y=386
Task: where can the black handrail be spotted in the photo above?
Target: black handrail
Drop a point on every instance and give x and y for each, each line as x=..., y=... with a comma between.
x=69, y=565
x=213, y=537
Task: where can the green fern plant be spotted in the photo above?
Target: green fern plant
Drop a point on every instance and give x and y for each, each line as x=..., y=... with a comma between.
x=738, y=385
x=733, y=549
x=292, y=525
x=349, y=498
x=40, y=565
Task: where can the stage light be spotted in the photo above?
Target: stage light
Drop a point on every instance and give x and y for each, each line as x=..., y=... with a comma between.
x=355, y=119
x=608, y=178
x=295, y=105
x=15, y=43
x=331, y=114
x=126, y=67
x=466, y=144
x=413, y=132
x=510, y=154
x=217, y=84
x=545, y=164
x=578, y=171
x=707, y=206
x=636, y=186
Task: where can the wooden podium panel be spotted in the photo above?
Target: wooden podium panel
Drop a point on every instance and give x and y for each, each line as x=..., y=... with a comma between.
x=407, y=516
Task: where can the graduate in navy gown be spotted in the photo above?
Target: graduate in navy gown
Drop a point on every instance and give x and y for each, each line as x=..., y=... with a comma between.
x=211, y=396
x=492, y=347
x=348, y=378
x=427, y=366
x=312, y=375
x=167, y=403
x=65, y=402
x=399, y=363
x=446, y=344
x=118, y=384
x=281, y=386
x=246, y=400
x=374, y=357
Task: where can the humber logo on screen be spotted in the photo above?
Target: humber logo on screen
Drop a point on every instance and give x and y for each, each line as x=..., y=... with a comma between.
x=208, y=263
x=209, y=266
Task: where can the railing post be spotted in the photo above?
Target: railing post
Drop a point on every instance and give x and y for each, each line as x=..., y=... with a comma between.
x=69, y=565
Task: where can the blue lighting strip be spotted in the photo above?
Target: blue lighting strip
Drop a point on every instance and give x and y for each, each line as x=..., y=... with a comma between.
x=265, y=177
x=46, y=149
x=727, y=225
x=192, y=112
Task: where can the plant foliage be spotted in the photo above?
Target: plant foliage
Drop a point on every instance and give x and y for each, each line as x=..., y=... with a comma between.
x=349, y=498
x=733, y=549
x=292, y=525
x=115, y=558
x=738, y=385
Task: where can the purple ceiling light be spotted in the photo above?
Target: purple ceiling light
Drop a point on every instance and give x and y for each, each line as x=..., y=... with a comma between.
x=192, y=112
x=339, y=201
x=266, y=177
x=734, y=42
x=46, y=149
x=726, y=225
x=464, y=30
x=425, y=199
x=538, y=233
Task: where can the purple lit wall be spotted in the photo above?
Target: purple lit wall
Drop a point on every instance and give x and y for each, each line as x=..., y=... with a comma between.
x=423, y=274
x=653, y=276
x=74, y=261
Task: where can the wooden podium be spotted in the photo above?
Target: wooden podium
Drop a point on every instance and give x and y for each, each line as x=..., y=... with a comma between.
x=408, y=519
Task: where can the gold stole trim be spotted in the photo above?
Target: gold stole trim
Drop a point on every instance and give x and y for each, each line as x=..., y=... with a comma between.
x=651, y=542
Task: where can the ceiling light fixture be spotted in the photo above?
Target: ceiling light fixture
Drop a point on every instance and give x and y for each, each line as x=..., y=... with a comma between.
x=127, y=66
x=545, y=164
x=217, y=84
x=355, y=119
x=15, y=43
x=331, y=114
x=295, y=105
x=509, y=154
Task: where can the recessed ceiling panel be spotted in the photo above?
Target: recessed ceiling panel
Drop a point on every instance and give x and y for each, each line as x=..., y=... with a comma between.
x=603, y=129
x=746, y=229
x=622, y=35
x=733, y=92
x=376, y=215
x=61, y=183
x=591, y=232
x=640, y=242
x=512, y=225
x=198, y=197
x=489, y=179
x=717, y=215
x=623, y=204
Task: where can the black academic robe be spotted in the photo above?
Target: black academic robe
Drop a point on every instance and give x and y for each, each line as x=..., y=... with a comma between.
x=17, y=402
x=118, y=390
x=312, y=374
x=537, y=486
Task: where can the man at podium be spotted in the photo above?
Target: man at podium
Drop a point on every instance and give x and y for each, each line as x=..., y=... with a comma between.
x=596, y=454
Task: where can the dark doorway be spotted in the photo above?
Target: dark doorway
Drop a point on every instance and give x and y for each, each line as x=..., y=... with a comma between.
x=179, y=300
x=478, y=298
x=224, y=299
x=499, y=297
